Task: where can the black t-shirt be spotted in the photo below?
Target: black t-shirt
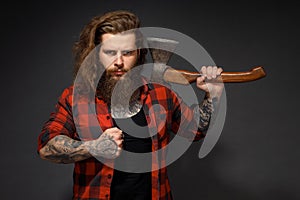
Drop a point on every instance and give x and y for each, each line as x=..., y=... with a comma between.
x=128, y=185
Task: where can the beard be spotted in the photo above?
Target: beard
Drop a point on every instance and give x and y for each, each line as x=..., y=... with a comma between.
x=125, y=84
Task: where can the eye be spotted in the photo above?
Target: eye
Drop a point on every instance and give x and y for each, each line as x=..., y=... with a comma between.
x=128, y=52
x=110, y=52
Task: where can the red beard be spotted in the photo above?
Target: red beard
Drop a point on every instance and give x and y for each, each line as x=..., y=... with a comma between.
x=108, y=82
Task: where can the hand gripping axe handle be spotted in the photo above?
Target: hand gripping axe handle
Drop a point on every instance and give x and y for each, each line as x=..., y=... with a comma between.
x=162, y=49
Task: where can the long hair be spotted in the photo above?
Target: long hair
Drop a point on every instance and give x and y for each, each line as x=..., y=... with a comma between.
x=111, y=22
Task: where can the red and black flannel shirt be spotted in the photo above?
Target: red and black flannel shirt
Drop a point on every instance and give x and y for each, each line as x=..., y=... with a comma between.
x=92, y=179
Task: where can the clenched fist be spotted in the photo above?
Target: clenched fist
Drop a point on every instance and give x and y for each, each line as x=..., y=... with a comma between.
x=108, y=145
x=206, y=83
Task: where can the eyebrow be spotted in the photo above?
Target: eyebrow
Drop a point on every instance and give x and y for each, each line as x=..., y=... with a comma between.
x=112, y=49
x=115, y=51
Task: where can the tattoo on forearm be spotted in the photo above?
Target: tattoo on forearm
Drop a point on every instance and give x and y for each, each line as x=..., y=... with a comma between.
x=206, y=109
x=63, y=149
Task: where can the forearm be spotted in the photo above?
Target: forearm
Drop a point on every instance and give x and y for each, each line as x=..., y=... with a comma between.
x=206, y=109
x=63, y=149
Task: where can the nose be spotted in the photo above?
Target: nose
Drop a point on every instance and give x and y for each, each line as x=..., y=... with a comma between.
x=119, y=60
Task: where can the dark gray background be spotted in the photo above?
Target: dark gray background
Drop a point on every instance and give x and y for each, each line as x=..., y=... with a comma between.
x=257, y=156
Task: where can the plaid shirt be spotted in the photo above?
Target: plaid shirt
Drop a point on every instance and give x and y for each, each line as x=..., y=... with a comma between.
x=92, y=179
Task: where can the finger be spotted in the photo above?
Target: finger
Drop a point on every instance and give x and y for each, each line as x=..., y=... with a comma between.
x=209, y=72
x=214, y=71
x=219, y=71
x=201, y=83
x=109, y=135
x=203, y=71
x=118, y=153
x=117, y=135
x=119, y=143
x=200, y=80
x=112, y=130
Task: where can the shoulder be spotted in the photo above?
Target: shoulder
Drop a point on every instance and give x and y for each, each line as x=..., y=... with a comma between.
x=68, y=91
x=66, y=94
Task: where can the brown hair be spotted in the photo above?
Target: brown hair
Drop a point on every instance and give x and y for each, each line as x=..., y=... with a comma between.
x=111, y=22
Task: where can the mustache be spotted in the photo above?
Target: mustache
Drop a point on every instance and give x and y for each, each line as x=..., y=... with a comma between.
x=116, y=69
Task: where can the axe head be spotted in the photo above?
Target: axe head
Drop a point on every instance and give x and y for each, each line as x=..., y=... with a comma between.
x=161, y=49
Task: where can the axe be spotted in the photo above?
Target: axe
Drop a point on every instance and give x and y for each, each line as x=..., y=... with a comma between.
x=162, y=49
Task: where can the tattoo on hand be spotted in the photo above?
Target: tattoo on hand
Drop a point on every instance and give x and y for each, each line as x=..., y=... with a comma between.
x=105, y=147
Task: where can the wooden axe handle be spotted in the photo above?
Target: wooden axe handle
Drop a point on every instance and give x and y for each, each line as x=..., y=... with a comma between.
x=187, y=77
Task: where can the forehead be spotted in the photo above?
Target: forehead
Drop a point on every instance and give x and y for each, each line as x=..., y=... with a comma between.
x=118, y=41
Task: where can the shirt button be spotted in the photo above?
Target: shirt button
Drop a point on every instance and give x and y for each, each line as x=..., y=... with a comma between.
x=109, y=176
x=107, y=117
x=106, y=196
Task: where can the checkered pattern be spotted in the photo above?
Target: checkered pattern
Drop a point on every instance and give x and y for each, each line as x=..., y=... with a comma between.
x=92, y=179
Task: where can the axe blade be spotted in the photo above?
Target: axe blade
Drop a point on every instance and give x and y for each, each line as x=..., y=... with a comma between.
x=161, y=49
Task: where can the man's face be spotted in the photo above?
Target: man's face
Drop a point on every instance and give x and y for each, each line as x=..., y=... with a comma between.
x=118, y=54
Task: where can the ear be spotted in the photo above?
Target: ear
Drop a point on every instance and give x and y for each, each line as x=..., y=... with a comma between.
x=138, y=52
x=138, y=55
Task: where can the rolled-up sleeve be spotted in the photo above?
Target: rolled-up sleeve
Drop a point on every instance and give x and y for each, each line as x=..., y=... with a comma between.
x=184, y=121
x=60, y=121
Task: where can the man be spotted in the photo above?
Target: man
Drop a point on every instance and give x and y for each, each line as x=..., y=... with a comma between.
x=61, y=142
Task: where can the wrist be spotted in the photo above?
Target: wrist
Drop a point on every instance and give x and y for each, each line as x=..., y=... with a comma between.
x=211, y=98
